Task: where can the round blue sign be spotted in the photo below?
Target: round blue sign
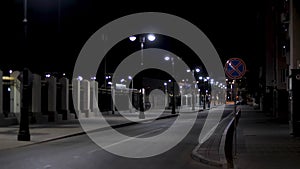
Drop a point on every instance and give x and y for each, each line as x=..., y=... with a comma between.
x=235, y=68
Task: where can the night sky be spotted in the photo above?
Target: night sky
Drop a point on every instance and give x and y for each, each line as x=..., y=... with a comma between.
x=57, y=29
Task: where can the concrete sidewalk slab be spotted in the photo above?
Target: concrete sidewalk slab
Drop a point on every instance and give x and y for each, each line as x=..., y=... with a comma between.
x=264, y=143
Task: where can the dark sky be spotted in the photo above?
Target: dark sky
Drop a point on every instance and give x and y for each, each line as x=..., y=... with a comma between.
x=57, y=29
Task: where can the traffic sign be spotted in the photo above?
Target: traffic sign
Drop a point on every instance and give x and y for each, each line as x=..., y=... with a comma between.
x=235, y=68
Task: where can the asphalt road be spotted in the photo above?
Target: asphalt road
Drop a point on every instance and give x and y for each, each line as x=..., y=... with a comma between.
x=80, y=152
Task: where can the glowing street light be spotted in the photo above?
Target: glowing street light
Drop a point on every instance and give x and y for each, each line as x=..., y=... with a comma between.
x=142, y=40
x=80, y=78
x=132, y=38
x=151, y=37
x=122, y=80
x=167, y=58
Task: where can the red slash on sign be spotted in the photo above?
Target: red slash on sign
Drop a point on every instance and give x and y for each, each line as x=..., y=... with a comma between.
x=235, y=68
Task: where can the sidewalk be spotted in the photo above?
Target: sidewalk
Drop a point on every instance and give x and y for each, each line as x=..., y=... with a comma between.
x=264, y=143
x=56, y=130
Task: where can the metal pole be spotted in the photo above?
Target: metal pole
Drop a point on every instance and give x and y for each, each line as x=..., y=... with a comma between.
x=142, y=40
x=24, y=134
x=204, y=97
x=193, y=92
x=235, y=120
x=235, y=135
x=174, y=99
x=173, y=105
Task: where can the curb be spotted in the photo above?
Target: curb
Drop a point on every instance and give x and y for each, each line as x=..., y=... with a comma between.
x=198, y=157
x=222, y=163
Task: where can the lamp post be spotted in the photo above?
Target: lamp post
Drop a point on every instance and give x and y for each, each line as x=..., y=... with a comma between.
x=205, y=92
x=174, y=99
x=24, y=134
x=166, y=94
x=168, y=58
x=131, y=100
x=142, y=40
x=193, y=90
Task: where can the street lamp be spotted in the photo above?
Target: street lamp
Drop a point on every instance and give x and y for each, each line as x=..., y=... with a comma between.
x=132, y=38
x=168, y=58
x=150, y=37
x=166, y=94
x=131, y=100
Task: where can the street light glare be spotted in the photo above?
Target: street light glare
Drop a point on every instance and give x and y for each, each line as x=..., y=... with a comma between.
x=197, y=70
x=80, y=78
x=132, y=38
x=167, y=58
x=151, y=37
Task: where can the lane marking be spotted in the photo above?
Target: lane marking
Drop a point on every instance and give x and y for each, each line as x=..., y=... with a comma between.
x=47, y=166
x=76, y=157
x=92, y=151
x=131, y=138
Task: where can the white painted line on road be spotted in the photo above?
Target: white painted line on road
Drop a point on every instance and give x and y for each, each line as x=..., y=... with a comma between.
x=209, y=133
x=92, y=151
x=140, y=135
x=131, y=138
x=76, y=157
x=47, y=166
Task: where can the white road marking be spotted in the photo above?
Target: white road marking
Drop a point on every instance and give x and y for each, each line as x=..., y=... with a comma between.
x=76, y=157
x=47, y=166
x=92, y=151
x=131, y=138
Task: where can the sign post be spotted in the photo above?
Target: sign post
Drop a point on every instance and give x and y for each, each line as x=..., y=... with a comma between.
x=235, y=68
